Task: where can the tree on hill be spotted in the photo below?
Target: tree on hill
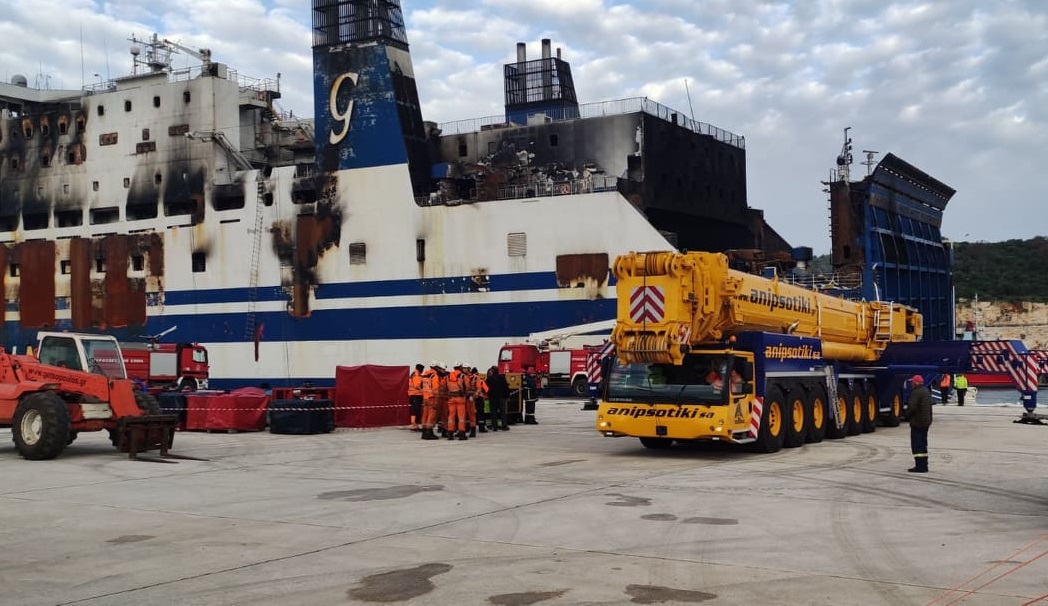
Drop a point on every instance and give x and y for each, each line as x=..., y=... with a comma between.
x=1013, y=270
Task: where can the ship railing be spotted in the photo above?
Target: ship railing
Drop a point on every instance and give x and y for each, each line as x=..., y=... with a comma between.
x=585, y=185
x=604, y=108
x=821, y=281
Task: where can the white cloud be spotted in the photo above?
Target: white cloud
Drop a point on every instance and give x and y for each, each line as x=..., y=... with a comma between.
x=952, y=87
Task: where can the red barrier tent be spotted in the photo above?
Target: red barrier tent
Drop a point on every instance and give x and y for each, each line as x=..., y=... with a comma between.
x=241, y=410
x=371, y=396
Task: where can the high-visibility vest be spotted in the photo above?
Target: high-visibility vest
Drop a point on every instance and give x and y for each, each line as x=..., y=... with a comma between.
x=455, y=384
x=469, y=384
x=482, y=387
x=945, y=381
x=960, y=382
x=415, y=384
x=429, y=383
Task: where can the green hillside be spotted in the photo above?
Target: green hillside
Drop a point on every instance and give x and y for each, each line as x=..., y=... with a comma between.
x=1014, y=270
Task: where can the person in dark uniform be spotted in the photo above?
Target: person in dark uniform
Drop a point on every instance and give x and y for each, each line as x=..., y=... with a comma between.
x=531, y=395
x=920, y=413
x=498, y=391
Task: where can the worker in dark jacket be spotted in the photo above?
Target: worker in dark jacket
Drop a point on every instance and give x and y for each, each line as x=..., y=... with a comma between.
x=498, y=391
x=531, y=395
x=920, y=413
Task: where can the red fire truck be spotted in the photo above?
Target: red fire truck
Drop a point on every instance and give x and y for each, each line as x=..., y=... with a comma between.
x=558, y=368
x=183, y=365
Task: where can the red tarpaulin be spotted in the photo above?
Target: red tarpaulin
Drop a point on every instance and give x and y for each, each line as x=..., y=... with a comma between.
x=371, y=396
x=241, y=410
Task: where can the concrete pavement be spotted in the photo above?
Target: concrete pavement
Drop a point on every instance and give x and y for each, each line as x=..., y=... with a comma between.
x=550, y=514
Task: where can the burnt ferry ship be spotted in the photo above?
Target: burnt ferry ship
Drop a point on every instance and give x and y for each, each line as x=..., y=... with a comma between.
x=186, y=197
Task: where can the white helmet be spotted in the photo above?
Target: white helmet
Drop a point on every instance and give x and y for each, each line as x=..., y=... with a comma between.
x=458, y=365
x=434, y=364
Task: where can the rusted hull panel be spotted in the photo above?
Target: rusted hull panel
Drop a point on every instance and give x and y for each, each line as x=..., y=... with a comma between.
x=80, y=300
x=36, y=287
x=582, y=270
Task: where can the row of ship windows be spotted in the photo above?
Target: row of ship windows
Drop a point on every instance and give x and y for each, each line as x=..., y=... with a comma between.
x=138, y=263
x=81, y=123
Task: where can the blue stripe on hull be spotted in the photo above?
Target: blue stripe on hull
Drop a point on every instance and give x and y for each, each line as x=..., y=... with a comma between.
x=416, y=322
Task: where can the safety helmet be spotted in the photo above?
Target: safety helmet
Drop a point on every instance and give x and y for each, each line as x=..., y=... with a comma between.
x=434, y=364
x=917, y=380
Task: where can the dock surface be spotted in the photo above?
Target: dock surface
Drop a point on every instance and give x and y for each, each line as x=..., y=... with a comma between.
x=547, y=514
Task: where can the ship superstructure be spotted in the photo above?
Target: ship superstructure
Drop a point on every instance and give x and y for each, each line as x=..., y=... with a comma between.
x=288, y=246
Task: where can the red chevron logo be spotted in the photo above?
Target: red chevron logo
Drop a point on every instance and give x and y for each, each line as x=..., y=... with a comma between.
x=647, y=304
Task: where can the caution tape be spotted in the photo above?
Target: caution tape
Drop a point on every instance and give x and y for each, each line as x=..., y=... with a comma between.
x=267, y=409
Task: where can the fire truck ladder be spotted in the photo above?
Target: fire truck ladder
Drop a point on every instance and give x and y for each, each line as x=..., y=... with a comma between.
x=256, y=253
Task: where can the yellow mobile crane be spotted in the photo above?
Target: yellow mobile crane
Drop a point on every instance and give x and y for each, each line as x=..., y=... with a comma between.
x=705, y=352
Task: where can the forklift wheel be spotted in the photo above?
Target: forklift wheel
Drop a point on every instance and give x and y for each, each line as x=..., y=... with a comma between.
x=41, y=426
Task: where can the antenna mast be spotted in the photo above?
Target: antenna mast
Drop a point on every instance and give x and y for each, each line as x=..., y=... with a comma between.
x=869, y=162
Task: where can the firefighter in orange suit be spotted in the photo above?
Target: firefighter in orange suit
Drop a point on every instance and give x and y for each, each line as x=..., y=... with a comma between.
x=430, y=385
x=470, y=390
x=415, y=396
x=440, y=393
x=457, y=403
x=480, y=393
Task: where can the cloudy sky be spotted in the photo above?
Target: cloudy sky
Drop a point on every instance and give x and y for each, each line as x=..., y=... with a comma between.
x=958, y=88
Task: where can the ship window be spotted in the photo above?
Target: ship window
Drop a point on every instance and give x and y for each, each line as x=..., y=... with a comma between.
x=174, y=208
x=69, y=218
x=462, y=150
x=358, y=253
x=493, y=146
x=145, y=134
x=65, y=188
x=12, y=270
x=63, y=127
x=232, y=199
x=142, y=211
x=127, y=182
x=138, y=262
x=100, y=265
x=517, y=244
x=127, y=105
x=267, y=199
x=199, y=262
x=576, y=271
x=81, y=124
x=34, y=221
x=101, y=110
x=8, y=222
x=14, y=162
x=156, y=101
x=554, y=140
x=65, y=267
x=27, y=129
x=420, y=250
x=45, y=160
x=101, y=216
x=185, y=96
x=157, y=178
x=94, y=185
x=45, y=129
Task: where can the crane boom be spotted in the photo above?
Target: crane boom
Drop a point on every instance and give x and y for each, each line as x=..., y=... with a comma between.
x=669, y=302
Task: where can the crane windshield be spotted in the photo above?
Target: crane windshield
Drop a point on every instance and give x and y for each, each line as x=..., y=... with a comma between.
x=701, y=379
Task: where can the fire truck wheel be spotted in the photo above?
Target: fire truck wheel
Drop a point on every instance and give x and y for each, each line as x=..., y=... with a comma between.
x=869, y=419
x=820, y=414
x=894, y=414
x=772, y=431
x=147, y=403
x=797, y=417
x=656, y=443
x=840, y=413
x=580, y=387
x=41, y=426
x=187, y=383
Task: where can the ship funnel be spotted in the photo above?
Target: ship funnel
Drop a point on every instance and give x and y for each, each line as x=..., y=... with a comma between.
x=522, y=52
x=546, y=48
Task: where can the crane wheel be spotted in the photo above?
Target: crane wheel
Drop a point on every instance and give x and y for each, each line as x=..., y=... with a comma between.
x=772, y=433
x=894, y=414
x=869, y=398
x=819, y=416
x=41, y=426
x=840, y=411
x=855, y=410
x=798, y=416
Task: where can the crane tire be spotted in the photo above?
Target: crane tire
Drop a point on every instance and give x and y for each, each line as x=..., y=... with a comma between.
x=893, y=417
x=772, y=432
x=819, y=414
x=840, y=408
x=798, y=416
x=41, y=426
x=855, y=410
x=870, y=408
